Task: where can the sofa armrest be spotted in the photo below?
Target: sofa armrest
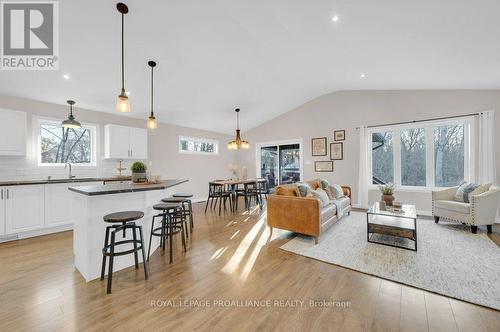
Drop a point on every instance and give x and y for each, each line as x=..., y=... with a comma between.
x=347, y=191
x=296, y=214
x=444, y=195
x=484, y=207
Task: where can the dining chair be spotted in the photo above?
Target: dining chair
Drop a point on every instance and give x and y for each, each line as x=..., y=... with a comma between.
x=217, y=191
x=249, y=191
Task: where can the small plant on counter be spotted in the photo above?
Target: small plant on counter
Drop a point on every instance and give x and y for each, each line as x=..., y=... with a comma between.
x=138, y=167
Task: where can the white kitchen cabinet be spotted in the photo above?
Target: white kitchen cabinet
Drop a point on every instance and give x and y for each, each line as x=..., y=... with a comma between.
x=2, y=211
x=122, y=142
x=139, y=143
x=24, y=208
x=12, y=133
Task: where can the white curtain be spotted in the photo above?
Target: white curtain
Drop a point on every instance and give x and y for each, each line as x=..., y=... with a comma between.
x=363, y=169
x=487, y=162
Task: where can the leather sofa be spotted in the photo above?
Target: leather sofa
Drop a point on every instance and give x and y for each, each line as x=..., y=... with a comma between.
x=287, y=210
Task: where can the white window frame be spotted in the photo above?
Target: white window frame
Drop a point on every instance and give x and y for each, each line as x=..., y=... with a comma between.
x=38, y=121
x=199, y=140
x=467, y=122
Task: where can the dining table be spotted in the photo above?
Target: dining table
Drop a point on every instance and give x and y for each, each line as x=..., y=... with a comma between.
x=233, y=184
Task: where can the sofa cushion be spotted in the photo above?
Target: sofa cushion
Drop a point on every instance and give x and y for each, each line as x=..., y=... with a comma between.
x=342, y=203
x=288, y=190
x=458, y=207
x=304, y=189
x=315, y=184
x=322, y=196
x=337, y=191
x=330, y=193
x=323, y=183
x=328, y=212
x=480, y=190
x=463, y=191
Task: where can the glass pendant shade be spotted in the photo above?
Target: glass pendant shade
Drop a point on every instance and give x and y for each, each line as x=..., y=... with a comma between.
x=152, y=122
x=123, y=104
x=70, y=122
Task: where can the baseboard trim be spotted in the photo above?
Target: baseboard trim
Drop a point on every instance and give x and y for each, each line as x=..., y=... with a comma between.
x=35, y=233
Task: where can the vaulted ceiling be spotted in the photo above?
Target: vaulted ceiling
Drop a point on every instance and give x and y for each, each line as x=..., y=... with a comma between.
x=264, y=56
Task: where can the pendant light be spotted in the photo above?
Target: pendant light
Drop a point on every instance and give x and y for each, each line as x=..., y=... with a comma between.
x=70, y=122
x=122, y=103
x=238, y=143
x=152, y=122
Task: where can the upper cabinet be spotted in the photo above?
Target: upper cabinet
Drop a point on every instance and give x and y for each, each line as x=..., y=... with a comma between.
x=12, y=133
x=122, y=142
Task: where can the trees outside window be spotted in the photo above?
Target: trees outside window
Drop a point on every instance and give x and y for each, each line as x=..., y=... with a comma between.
x=382, y=158
x=59, y=145
x=448, y=155
x=197, y=145
x=413, y=163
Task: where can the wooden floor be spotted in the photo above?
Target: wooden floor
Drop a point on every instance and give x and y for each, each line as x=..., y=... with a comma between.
x=229, y=258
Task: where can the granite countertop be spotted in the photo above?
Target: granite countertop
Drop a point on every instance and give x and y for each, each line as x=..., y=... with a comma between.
x=64, y=180
x=117, y=188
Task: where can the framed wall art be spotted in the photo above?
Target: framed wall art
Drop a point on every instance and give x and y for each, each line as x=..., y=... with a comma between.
x=323, y=166
x=336, y=151
x=339, y=135
x=318, y=146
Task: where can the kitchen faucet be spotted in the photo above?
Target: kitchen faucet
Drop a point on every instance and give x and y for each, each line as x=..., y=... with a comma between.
x=69, y=175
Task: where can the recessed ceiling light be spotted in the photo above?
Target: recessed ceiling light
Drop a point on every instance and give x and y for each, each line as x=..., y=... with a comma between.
x=127, y=93
x=66, y=77
x=335, y=18
x=363, y=75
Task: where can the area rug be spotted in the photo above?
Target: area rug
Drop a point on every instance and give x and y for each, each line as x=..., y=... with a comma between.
x=450, y=259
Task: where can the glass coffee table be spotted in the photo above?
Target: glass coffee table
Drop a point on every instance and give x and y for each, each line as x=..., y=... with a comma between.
x=396, y=223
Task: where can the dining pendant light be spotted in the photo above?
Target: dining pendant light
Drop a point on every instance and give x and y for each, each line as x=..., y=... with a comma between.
x=238, y=143
x=123, y=103
x=152, y=122
x=70, y=122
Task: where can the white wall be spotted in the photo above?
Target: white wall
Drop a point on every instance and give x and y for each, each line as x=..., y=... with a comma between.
x=350, y=109
x=164, y=157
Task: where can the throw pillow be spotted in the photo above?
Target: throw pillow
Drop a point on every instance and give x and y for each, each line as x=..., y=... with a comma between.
x=463, y=191
x=315, y=184
x=324, y=183
x=304, y=189
x=330, y=193
x=337, y=191
x=322, y=196
x=480, y=190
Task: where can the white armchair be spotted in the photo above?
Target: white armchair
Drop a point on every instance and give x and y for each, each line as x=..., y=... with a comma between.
x=481, y=210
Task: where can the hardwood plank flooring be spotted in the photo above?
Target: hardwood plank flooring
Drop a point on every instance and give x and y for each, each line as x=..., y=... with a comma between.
x=229, y=257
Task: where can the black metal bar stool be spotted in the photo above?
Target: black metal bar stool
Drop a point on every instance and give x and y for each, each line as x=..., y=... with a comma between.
x=126, y=219
x=188, y=197
x=187, y=209
x=172, y=222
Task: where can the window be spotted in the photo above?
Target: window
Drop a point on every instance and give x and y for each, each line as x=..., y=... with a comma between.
x=59, y=145
x=413, y=167
x=198, y=145
x=449, y=155
x=382, y=158
x=426, y=155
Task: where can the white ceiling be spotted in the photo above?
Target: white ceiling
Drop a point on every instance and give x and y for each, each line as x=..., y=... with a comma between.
x=264, y=56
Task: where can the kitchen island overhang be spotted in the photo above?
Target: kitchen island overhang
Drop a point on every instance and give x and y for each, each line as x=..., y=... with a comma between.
x=91, y=203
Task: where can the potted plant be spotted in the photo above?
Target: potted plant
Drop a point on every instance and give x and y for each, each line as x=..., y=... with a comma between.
x=387, y=193
x=138, y=169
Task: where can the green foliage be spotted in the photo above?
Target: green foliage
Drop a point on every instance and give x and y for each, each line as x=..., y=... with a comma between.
x=387, y=189
x=138, y=167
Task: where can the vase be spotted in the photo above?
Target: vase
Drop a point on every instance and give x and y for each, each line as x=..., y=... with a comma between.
x=388, y=199
x=139, y=177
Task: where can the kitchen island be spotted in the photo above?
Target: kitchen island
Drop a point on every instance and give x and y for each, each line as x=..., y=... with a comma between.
x=91, y=203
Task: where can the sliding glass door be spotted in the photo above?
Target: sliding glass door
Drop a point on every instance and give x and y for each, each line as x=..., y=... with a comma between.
x=280, y=163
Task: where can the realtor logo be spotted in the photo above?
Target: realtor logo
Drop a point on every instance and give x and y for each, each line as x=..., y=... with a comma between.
x=30, y=35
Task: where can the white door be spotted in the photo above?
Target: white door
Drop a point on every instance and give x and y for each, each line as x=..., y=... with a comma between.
x=117, y=142
x=12, y=133
x=2, y=211
x=139, y=143
x=24, y=207
x=57, y=204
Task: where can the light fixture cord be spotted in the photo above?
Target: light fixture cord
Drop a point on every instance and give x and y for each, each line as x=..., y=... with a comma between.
x=152, y=82
x=237, y=120
x=123, y=52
